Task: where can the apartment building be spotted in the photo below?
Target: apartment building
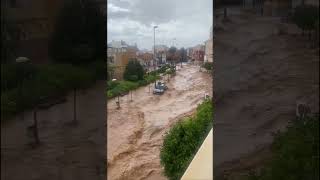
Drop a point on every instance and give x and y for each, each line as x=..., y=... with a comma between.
x=28, y=26
x=119, y=53
x=161, y=53
x=284, y=7
x=145, y=59
x=198, y=53
x=208, y=56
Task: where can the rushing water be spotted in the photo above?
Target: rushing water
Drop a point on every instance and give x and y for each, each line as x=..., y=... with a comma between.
x=136, y=130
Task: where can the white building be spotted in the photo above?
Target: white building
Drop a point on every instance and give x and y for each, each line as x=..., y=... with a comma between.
x=208, y=55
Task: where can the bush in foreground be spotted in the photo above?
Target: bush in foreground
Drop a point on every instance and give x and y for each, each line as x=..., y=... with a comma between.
x=305, y=16
x=295, y=153
x=183, y=140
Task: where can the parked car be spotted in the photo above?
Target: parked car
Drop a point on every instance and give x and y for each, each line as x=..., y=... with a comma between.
x=163, y=85
x=158, y=90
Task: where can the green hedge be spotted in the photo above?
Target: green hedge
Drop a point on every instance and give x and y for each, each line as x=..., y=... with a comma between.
x=295, y=153
x=46, y=82
x=115, y=88
x=184, y=139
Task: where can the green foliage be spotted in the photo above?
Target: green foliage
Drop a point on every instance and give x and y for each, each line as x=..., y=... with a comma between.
x=47, y=81
x=9, y=103
x=120, y=87
x=134, y=71
x=183, y=140
x=208, y=66
x=172, y=70
x=183, y=54
x=163, y=69
x=80, y=33
x=13, y=74
x=115, y=88
x=99, y=68
x=295, y=152
x=305, y=16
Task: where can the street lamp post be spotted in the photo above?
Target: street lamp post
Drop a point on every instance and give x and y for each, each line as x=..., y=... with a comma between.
x=154, y=45
x=21, y=61
x=154, y=49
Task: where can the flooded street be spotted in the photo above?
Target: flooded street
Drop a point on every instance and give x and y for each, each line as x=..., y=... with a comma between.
x=136, y=130
x=65, y=151
x=260, y=76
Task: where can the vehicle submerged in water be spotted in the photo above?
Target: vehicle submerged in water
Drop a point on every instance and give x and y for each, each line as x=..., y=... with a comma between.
x=159, y=88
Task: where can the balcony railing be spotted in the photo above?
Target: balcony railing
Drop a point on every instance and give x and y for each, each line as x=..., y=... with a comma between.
x=201, y=166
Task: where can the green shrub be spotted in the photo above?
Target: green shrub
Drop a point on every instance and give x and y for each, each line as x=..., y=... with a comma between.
x=49, y=81
x=12, y=74
x=295, y=152
x=115, y=88
x=112, y=84
x=305, y=16
x=208, y=66
x=120, y=88
x=9, y=103
x=183, y=141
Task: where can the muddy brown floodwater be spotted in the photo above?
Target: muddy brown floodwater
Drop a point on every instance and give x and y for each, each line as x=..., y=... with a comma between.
x=136, y=130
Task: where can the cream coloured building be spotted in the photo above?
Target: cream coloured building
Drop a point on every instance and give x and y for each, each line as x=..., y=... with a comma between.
x=208, y=56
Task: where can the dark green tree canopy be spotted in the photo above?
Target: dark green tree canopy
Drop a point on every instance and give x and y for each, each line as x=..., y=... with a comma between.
x=183, y=54
x=306, y=16
x=171, y=53
x=80, y=33
x=134, y=71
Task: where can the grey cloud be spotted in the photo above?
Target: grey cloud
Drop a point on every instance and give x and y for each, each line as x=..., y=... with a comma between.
x=117, y=15
x=186, y=20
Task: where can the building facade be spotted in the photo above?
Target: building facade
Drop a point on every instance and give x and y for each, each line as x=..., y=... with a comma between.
x=208, y=57
x=145, y=59
x=284, y=7
x=28, y=25
x=161, y=53
x=198, y=53
x=119, y=54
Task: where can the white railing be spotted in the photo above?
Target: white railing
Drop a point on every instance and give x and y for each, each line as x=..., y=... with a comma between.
x=201, y=166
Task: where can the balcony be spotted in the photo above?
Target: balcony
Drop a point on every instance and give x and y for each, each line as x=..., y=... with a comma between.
x=201, y=166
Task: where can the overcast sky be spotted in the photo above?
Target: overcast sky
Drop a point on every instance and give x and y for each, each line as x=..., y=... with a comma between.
x=188, y=21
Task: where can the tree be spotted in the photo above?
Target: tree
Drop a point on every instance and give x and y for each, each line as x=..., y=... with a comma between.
x=79, y=36
x=305, y=16
x=80, y=33
x=9, y=41
x=172, y=54
x=134, y=71
x=183, y=54
x=110, y=71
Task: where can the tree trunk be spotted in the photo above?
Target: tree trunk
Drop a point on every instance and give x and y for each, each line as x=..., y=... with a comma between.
x=35, y=125
x=309, y=34
x=75, y=105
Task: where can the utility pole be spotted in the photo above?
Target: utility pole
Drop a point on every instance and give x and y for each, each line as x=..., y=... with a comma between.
x=154, y=49
x=154, y=45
